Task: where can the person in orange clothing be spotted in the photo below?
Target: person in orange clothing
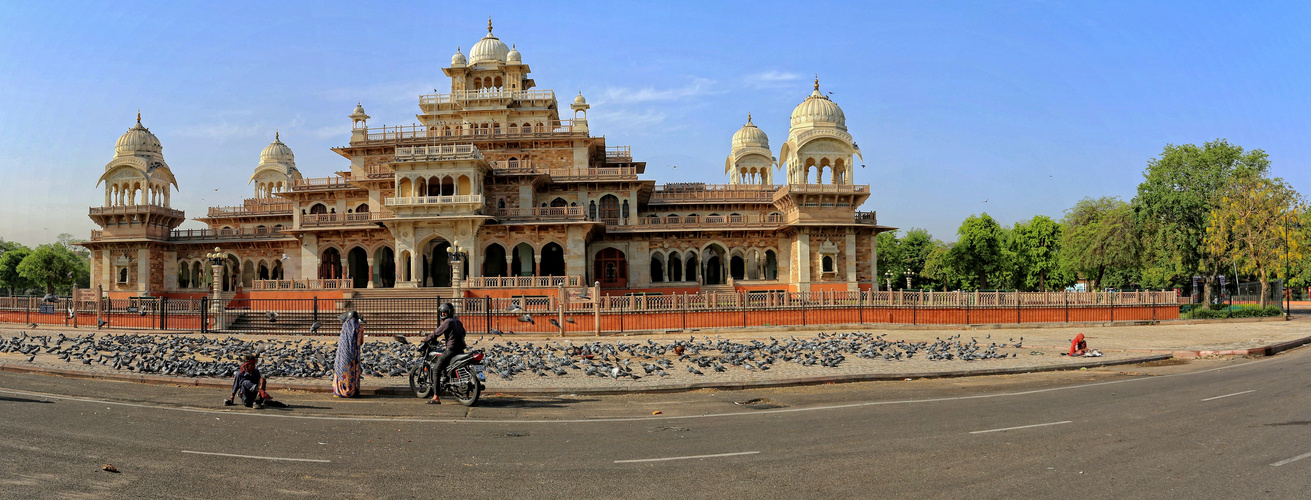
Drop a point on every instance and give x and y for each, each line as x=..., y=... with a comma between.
x=1078, y=347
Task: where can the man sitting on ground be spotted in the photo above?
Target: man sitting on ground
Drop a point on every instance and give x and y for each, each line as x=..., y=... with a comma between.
x=249, y=383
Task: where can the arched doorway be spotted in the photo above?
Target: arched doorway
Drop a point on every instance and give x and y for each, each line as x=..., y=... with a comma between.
x=657, y=268
x=552, y=260
x=675, y=267
x=737, y=267
x=357, y=261
x=611, y=268
x=439, y=266
x=559, y=202
x=713, y=270
x=330, y=265
x=522, y=264
x=494, y=261
x=384, y=268
x=263, y=270
x=319, y=208
x=771, y=265
x=690, y=267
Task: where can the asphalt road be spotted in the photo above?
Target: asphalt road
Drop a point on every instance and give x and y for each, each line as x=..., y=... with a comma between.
x=1196, y=429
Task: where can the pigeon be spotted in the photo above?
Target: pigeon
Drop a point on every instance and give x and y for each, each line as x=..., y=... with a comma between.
x=526, y=319
x=554, y=322
x=31, y=325
x=514, y=308
x=100, y=323
x=50, y=298
x=314, y=328
x=273, y=317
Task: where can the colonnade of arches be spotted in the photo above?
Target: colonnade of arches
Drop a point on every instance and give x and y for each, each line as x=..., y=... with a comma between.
x=195, y=274
x=523, y=260
x=130, y=193
x=752, y=175
x=269, y=188
x=712, y=265
x=838, y=170
x=447, y=185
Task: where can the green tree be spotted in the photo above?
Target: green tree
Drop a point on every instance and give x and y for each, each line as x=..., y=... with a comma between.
x=1036, y=246
x=1099, y=236
x=940, y=270
x=889, y=258
x=977, y=256
x=1253, y=224
x=9, y=278
x=52, y=266
x=1173, y=207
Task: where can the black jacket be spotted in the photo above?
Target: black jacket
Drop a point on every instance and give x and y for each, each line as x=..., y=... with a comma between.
x=452, y=333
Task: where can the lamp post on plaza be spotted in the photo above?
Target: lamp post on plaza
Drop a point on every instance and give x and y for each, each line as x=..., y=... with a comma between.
x=888, y=275
x=909, y=276
x=216, y=259
x=456, y=255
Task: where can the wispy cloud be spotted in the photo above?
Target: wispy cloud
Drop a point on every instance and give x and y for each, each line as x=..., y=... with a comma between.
x=772, y=78
x=623, y=95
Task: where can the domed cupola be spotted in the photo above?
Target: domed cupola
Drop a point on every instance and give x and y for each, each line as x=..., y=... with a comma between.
x=489, y=50
x=818, y=109
x=458, y=60
x=749, y=161
x=514, y=57
x=277, y=152
x=277, y=169
x=750, y=136
x=137, y=140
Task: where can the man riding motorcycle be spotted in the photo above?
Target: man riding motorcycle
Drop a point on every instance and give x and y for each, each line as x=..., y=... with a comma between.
x=451, y=330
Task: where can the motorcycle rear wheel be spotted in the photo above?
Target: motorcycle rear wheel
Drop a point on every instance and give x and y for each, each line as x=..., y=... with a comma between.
x=421, y=380
x=466, y=387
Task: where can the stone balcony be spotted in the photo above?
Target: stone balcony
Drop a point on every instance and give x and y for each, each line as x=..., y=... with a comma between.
x=135, y=210
x=540, y=214
x=411, y=201
x=712, y=193
x=695, y=222
x=338, y=220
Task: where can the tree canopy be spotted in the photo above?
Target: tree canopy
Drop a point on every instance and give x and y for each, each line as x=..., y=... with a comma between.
x=52, y=266
x=1099, y=236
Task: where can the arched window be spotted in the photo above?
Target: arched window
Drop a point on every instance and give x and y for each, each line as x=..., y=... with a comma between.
x=318, y=208
x=477, y=83
x=591, y=210
x=828, y=264
x=494, y=261
x=497, y=83
x=625, y=209
x=611, y=268
x=362, y=209
x=500, y=203
x=610, y=208
x=559, y=202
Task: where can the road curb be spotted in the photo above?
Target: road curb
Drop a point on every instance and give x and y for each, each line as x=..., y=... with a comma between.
x=597, y=391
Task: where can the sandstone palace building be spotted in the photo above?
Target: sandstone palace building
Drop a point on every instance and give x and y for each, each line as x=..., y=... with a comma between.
x=529, y=197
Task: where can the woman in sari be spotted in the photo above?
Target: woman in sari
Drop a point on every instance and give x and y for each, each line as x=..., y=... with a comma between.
x=346, y=368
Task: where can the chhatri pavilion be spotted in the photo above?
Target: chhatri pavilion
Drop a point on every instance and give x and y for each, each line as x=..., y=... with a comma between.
x=525, y=199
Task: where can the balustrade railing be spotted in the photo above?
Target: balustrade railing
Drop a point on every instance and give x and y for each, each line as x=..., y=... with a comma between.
x=254, y=207
x=135, y=209
x=524, y=281
x=468, y=95
x=696, y=192
x=305, y=284
x=697, y=221
x=312, y=220
x=592, y=173
x=319, y=183
x=542, y=213
x=401, y=132
x=434, y=200
x=450, y=151
x=230, y=233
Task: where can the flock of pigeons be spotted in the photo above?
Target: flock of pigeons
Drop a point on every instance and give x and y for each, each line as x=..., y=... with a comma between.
x=203, y=356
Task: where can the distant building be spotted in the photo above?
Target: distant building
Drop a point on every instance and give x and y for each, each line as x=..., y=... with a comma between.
x=494, y=169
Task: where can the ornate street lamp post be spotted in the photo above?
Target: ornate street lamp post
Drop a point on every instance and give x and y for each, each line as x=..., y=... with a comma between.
x=456, y=256
x=216, y=259
x=888, y=275
x=909, y=276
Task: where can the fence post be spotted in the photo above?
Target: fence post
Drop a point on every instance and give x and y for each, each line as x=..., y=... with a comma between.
x=805, y=304
x=685, y=311
x=860, y=306
x=1111, y=300
x=487, y=314
x=204, y=314
x=163, y=313
x=1017, y=306
x=915, y=311
x=1153, y=296
x=1067, y=306
x=560, y=295
x=27, y=310
x=967, y=307
x=742, y=300
x=316, y=308
x=596, y=306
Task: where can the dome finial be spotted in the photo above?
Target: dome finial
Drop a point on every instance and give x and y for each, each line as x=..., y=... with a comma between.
x=277, y=136
x=748, y=117
x=816, y=82
x=138, y=116
x=489, y=25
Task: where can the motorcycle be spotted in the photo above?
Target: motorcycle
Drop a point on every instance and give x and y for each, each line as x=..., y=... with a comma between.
x=464, y=375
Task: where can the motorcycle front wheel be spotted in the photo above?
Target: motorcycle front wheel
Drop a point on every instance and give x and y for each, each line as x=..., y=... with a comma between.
x=465, y=387
x=421, y=380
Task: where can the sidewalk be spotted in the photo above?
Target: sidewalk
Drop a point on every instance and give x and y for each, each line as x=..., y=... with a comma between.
x=1040, y=351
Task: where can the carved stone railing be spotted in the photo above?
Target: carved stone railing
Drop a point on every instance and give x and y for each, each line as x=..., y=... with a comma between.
x=328, y=284
x=698, y=193
x=542, y=213
x=319, y=183
x=319, y=220
x=136, y=209
x=221, y=234
x=701, y=222
x=434, y=200
x=446, y=152
x=255, y=207
x=866, y=217
x=524, y=281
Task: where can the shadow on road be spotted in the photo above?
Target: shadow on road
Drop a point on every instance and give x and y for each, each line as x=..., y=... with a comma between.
x=535, y=403
x=23, y=400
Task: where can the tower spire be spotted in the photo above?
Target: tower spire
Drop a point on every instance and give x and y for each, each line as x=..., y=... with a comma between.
x=748, y=117
x=489, y=25
x=138, y=116
x=817, y=82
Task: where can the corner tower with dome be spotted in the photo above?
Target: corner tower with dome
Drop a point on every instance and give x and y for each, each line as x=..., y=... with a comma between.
x=531, y=198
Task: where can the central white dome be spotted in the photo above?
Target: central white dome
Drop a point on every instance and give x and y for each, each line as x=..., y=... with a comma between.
x=277, y=152
x=138, y=139
x=489, y=49
x=817, y=109
x=750, y=136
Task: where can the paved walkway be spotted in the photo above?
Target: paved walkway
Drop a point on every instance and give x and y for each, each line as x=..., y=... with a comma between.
x=1040, y=350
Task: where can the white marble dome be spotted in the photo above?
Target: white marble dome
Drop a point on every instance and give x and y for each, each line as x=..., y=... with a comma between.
x=580, y=99
x=750, y=136
x=818, y=109
x=277, y=152
x=489, y=49
x=138, y=139
x=458, y=59
x=514, y=57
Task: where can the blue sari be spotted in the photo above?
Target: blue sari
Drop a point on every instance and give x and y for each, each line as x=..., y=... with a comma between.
x=346, y=368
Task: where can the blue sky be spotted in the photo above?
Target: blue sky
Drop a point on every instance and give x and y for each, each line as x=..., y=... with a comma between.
x=959, y=108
